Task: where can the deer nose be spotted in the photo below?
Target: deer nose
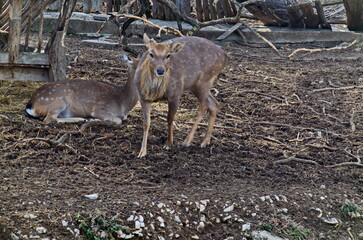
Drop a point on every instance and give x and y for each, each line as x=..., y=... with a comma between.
x=160, y=71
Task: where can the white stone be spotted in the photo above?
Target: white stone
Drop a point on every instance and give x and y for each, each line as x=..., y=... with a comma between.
x=131, y=218
x=331, y=221
x=177, y=219
x=92, y=196
x=14, y=236
x=160, y=219
x=30, y=215
x=265, y=235
x=41, y=230
x=137, y=225
x=160, y=205
x=64, y=223
x=195, y=237
x=229, y=208
x=246, y=226
x=200, y=226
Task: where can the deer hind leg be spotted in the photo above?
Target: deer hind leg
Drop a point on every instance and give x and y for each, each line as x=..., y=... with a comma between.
x=146, y=109
x=213, y=107
x=202, y=108
x=172, y=109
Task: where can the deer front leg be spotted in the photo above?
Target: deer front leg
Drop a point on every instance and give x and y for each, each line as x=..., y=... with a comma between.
x=213, y=107
x=146, y=109
x=172, y=109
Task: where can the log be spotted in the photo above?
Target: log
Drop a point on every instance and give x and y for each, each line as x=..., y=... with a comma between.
x=15, y=29
x=295, y=16
x=322, y=19
x=310, y=19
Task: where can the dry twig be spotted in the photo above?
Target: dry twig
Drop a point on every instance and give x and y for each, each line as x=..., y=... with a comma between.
x=296, y=159
x=358, y=163
x=321, y=49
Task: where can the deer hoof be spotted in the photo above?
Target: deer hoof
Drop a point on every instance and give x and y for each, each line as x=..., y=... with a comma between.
x=141, y=154
x=186, y=144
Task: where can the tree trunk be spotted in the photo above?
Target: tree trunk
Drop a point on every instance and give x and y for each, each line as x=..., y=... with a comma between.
x=354, y=9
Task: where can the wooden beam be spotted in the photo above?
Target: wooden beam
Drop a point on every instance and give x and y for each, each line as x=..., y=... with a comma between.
x=15, y=73
x=15, y=29
x=26, y=58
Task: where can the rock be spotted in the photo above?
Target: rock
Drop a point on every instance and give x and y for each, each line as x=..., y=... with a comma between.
x=331, y=221
x=177, y=219
x=360, y=236
x=160, y=205
x=137, y=224
x=229, y=209
x=200, y=226
x=92, y=196
x=64, y=223
x=41, y=230
x=318, y=211
x=195, y=237
x=29, y=215
x=131, y=218
x=246, y=227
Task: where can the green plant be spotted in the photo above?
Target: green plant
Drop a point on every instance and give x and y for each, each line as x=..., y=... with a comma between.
x=100, y=228
x=349, y=209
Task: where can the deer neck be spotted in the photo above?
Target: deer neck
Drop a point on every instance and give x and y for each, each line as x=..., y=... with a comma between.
x=127, y=95
x=154, y=87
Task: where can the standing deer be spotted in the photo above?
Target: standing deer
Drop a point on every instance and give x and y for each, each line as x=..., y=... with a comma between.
x=75, y=100
x=168, y=69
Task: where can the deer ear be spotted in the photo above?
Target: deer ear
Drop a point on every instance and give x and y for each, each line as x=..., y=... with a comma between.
x=148, y=42
x=175, y=47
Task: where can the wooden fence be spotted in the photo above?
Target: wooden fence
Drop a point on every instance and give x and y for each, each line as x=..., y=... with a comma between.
x=205, y=10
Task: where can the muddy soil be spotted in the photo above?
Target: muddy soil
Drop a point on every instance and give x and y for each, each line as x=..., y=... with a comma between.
x=273, y=164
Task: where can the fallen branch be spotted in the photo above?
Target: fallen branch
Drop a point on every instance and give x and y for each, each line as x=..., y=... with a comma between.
x=338, y=88
x=358, y=163
x=321, y=146
x=296, y=159
x=321, y=49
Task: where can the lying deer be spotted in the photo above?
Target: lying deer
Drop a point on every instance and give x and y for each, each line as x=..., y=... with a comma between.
x=75, y=100
x=168, y=69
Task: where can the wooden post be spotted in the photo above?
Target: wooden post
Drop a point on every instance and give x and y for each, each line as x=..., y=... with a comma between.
x=97, y=6
x=57, y=59
x=226, y=8
x=87, y=6
x=295, y=16
x=109, y=6
x=40, y=32
x=311, y=20
x=354, y=9
x=117, y=5
x=212, y=10
x=206, y=10
x=219, y=9
x=29, y=24
x=199, y=10
x=15, y=29
x=55, y=6
x=323, y=22
x=184, y=6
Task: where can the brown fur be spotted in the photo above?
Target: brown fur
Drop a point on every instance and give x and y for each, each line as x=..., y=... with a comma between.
x=168, y=69
x=153, y=87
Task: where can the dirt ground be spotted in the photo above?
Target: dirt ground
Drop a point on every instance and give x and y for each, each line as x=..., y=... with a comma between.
x=306, y=111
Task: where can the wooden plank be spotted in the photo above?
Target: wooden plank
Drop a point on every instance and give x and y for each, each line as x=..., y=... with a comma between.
x=26, y=58
x=15, y=29
x=229, y=31
x=319, y=9
x=310, y=19
x=24, y=74
x=57, y=59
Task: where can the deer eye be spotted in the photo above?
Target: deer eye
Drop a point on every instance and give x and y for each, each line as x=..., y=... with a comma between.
x=151, y=55
x=168, y=56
